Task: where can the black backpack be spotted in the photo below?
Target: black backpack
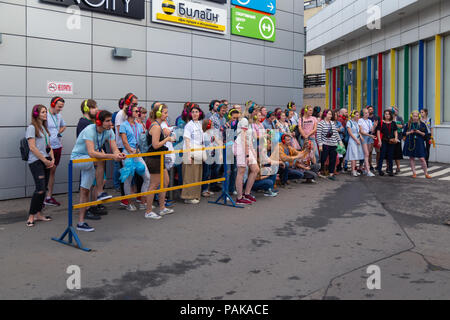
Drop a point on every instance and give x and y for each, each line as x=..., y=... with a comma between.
x=24, y=149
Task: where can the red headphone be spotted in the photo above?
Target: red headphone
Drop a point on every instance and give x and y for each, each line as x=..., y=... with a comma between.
x=55, y=101
x=97, y=120
x=209, y=124
x=128, y=100
x=283, y=138
x=35, y=111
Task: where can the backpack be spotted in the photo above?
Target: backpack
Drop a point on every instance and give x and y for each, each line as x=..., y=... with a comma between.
x=24, y=149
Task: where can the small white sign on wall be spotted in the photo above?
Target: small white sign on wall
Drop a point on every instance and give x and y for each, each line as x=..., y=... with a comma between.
x=59, y=87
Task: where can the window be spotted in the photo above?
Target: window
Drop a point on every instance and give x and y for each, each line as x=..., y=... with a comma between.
x=446, y=77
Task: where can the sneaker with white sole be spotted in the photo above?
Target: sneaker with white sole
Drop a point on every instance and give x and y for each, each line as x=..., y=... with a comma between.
x=270, y=193
x=103, y=196
x=152, y=215
x=166, y=211
x=84, y=227
x=131, y=207
x=192, y=201
x=355, y=174
x=370, y=174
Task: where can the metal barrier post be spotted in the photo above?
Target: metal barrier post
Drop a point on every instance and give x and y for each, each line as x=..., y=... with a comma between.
x=225, y=195
x=70, y=231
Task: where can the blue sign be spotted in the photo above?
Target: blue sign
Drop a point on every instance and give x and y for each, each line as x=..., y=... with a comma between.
x=269, y=6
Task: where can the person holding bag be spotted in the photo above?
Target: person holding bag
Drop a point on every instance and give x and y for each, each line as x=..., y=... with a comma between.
x=387, y=135
x=40, y=161
x=193, y=160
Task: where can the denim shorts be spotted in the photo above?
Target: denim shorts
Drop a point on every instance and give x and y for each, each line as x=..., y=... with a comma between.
x=367, y=140
x=87, y=172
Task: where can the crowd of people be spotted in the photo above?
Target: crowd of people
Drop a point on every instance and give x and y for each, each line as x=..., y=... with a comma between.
x=256, y=150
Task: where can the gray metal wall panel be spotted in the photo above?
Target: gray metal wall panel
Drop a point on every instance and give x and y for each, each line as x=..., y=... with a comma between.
x=278, y=77
x=12, y=171
x=114, y=86
x=168, y=66
x=286, y=5
x=204, y=91
x=166, y=89
x=12, y=19
x=212, y=70
x=12, y=81
x=58, y=55
x=278, y=58
x=18, y=116
x=298, y=24
x=53, y=25
x=247, y=73
x=284, y=21
x=103, y=61
x=12, y=193
x=284, y=40
x=298, y=60
x=278, y=96
x=240, y=93
x=117, y=34
x=12, y=50
x=207, y=47
x=37, y=81
x=243, y=52
x=166, y=41
x=10, y=146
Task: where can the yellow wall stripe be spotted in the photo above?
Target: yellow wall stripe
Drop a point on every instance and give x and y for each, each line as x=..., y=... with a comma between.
x=438, y=71
x=393, y=72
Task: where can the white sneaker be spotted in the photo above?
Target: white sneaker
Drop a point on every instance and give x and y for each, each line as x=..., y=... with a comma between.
x=235, y=193
x=370, y=174
x=355, y=174
x=166, y=211
x=131, y=207
x=193, y=201
x=152, y=215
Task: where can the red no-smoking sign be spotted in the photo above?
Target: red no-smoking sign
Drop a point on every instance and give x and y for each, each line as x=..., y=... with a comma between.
x=59, y=87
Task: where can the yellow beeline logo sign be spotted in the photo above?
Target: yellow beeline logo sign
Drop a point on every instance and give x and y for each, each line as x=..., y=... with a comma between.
x=189, y=14
x=191, y=22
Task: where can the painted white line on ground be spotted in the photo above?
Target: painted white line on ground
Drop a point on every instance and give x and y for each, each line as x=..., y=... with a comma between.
x=410, y=173
x=446, y=178
x=441, y=173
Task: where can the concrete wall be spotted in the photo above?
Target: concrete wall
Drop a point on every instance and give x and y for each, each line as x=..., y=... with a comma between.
x=170, y=64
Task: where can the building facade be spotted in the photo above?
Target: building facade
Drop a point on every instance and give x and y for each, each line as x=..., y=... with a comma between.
x=168, y=63
x=388, y=53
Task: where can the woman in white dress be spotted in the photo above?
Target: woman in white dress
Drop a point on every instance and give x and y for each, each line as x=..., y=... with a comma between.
x=354, y=150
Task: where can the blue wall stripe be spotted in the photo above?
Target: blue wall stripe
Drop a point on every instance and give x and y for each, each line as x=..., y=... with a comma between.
x=421, y=75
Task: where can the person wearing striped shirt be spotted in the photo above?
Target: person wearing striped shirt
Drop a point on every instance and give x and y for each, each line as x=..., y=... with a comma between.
x=328, y=139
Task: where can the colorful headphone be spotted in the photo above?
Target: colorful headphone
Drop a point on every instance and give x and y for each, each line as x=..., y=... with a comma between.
x=121, y=102
x=55, y=101
x=354, y=112
x=269, y=114
x=410, y=116
x=97, y=120
x=128, y=100
x=252, y=108
x=283, y=138
x=287, y=113
x=193, y=105
x=159, y=112
x=209, y=124
x=229, y=113
x=35, y=111
x=307, y=108
x=220, y=106
x=129, y=110
x=85, y=107
x=188, y=105
x=325, y=112
x=289, y=106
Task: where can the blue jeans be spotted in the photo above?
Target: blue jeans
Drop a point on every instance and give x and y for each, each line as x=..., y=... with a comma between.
x=265, y=184
x=289, y=173
x=116, y=174
x=231, y=175
x=206, y=175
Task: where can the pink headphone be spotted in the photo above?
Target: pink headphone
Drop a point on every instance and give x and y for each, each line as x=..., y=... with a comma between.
x=130, y=111
x=35, y=111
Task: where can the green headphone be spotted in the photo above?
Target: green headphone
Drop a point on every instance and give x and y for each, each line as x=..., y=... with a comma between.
x=85, y=108
x=159, y=112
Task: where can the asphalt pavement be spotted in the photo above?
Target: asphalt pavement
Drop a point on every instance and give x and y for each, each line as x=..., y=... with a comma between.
x=313, y=241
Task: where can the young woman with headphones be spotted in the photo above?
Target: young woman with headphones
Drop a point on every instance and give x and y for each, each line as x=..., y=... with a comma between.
x=328, y=139
x=414, y=135
x=40, y=161
x=89, y=144
x=130, y=132
x=193, y=160
x=307, y=126
x=246, y=157
x=157, y=140
x=367, y=130
x=355, y=151
x=56, y=127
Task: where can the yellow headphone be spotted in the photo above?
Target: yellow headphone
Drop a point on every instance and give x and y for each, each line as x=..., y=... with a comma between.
x=159, y=112
x=418, y=112
x=85, y=108
x=307, y=108
x=354, y=113
x=229, y=113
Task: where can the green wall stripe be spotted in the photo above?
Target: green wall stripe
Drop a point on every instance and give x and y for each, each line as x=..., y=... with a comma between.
x=406, y=84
